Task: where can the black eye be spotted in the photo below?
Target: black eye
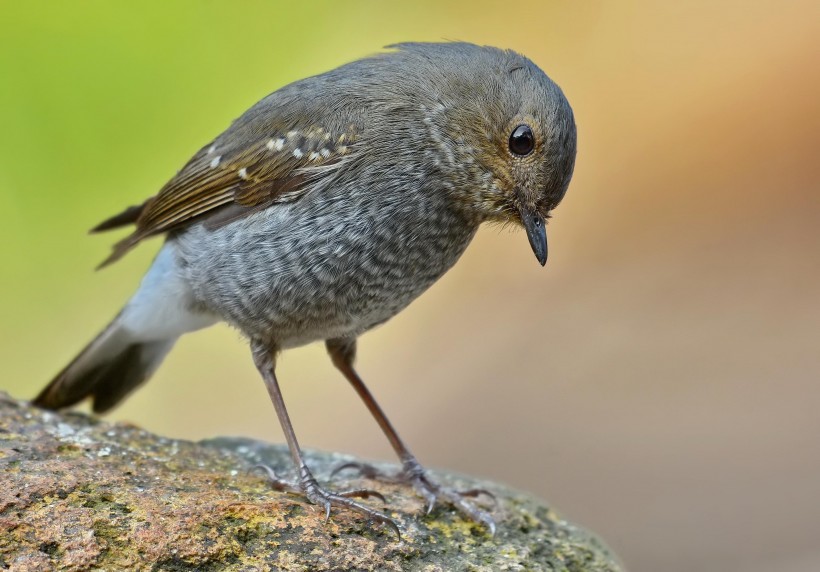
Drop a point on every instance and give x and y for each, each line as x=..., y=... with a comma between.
x=522, y=141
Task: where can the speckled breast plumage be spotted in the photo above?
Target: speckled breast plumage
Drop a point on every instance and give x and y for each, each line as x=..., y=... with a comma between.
x=331, y=265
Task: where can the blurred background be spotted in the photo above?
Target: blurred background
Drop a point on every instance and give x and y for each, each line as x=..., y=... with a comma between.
x=658, y=381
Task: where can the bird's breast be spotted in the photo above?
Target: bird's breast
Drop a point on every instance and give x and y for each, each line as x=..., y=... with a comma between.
x=326, y=266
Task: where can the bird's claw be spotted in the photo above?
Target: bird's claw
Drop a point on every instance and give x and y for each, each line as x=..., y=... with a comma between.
x=276, y=482
x=475, y=493
x=310, y=489
x=363, y=494
x=433, y=492
x=368, y=471
x=414, y=474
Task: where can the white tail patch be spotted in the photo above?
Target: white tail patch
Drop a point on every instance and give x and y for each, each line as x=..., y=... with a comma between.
x=162, y=306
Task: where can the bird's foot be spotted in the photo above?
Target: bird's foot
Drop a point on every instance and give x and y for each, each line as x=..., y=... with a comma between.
x=414, y=474
x=308, y=487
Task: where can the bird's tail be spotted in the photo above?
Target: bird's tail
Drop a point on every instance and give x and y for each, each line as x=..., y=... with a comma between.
x=132, y=346
x=109, y=368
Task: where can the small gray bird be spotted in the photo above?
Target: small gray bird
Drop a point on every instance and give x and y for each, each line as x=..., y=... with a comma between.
x=326, y=209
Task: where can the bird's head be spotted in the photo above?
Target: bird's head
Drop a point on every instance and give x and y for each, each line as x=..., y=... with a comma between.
x=512, y=133
x=529, y=148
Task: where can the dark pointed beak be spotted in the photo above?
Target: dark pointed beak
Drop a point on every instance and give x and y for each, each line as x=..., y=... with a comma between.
x=536, y=232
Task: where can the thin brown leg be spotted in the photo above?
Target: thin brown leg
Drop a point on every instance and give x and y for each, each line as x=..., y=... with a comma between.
x=343, y=353
x=264, y=358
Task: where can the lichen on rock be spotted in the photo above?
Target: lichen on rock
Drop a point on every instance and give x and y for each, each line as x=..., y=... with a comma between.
x=77, y=493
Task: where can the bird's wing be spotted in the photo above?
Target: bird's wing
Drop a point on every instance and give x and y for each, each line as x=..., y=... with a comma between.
x=229, y=180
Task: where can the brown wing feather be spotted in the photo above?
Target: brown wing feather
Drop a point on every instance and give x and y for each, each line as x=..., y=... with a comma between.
x=254, y=175
x=126, y=217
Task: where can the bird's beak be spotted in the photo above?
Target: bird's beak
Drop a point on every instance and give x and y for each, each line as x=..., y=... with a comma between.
x=536, y=232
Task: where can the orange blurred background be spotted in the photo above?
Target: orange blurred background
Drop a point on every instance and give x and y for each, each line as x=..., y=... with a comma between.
x=657, y=382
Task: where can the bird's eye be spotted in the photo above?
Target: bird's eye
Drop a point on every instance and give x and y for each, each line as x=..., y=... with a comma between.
x=522, y=140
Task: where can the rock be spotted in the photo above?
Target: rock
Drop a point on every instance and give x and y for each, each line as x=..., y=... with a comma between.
x=77, y=493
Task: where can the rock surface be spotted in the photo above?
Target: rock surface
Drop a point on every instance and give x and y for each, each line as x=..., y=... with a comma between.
x=77, y=493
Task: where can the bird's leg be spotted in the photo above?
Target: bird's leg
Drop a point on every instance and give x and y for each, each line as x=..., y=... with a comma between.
x=342, y=353
x=264, y=358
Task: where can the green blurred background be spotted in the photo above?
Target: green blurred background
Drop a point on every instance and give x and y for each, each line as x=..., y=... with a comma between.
x=658, y=381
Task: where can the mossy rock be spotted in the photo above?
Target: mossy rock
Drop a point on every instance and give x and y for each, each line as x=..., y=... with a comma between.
x=78, y=493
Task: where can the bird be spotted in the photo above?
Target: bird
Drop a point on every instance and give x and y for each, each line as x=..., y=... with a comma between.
x=322, y=212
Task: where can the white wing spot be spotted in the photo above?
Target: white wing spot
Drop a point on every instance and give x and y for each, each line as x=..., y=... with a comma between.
x=211, y=149
x=243, y=173
x=215, y=161
x=325, y=153
x=313, y=156
x=293, y=133
x=297, y=153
